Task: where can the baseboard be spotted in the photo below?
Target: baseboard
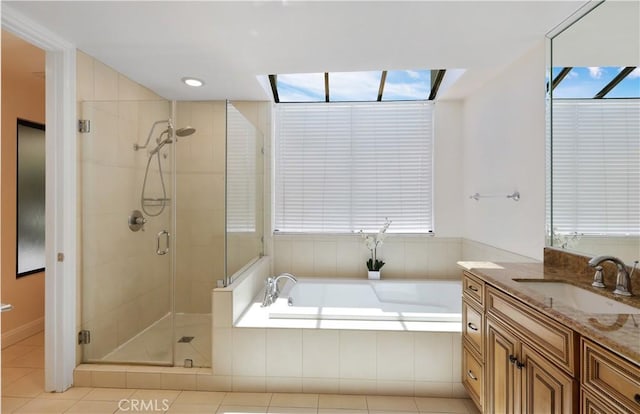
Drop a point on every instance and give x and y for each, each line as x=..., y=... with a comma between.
x=22, y=332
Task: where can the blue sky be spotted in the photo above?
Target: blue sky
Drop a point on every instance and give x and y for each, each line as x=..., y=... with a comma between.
x=586, y=82
x=355, y=86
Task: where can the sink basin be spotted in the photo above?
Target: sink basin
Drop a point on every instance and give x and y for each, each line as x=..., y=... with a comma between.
x=579, y=298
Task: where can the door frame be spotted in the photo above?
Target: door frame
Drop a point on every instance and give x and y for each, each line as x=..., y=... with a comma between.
x=61, y=197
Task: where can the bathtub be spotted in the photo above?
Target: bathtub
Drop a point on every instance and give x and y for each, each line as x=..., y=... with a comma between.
x=369, y=300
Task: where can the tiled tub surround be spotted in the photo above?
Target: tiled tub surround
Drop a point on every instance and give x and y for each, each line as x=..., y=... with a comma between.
x=619, y=333
x=253, y=354
x=406, y=256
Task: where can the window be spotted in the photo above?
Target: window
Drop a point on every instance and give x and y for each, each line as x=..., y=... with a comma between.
x=340, y=168
x=596, y=167
x=596, y=82
x=241, y=173
x=366, y=86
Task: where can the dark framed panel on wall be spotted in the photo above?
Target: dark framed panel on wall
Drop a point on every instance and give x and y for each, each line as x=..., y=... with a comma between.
x=30, y=196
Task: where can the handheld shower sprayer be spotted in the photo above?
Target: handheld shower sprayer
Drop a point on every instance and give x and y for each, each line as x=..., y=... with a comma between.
x=160, y=142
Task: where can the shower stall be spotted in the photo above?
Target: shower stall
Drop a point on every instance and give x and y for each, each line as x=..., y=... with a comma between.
x=171, y=207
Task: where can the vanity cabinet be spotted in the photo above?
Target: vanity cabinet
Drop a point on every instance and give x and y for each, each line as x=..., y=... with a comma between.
x=473, y=377
x=515, y=359
x=609, y=383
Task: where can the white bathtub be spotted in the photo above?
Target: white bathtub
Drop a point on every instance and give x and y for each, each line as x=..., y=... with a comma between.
x=380, y=300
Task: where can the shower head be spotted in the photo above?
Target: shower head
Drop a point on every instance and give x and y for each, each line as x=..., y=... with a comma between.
x=185, y=132
x=180, y=132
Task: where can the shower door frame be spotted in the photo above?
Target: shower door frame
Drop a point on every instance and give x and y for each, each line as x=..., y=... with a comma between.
x=61, y=196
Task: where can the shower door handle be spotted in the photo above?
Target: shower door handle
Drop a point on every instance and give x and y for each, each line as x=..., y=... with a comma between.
x=159, y=251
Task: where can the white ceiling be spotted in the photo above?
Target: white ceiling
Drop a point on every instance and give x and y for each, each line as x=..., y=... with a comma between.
x=230, y=44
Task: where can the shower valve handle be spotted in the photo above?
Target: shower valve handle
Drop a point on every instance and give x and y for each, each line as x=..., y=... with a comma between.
x=136, y=221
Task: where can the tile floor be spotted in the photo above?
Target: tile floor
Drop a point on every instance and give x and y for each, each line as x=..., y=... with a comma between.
x=23, y=378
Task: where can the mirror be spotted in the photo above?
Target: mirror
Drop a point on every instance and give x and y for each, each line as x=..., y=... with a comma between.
x=30, y=220
x=594, y=124
x=244, y=187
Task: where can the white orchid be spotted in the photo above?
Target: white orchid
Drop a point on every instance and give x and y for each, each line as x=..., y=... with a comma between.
x=373, y=242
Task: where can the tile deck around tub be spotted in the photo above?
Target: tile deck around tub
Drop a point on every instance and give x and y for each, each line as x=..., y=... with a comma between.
x=23, y=392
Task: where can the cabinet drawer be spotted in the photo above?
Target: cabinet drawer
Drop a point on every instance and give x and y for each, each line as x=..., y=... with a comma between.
x=590, y=404
x=612, y=378
x=472, y=326
x=473, y=377
x=548, y=337
x=473, y=288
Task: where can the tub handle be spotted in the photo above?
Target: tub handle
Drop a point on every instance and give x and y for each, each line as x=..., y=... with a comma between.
x=470, y=375
x=472, y=326
x=471, y=287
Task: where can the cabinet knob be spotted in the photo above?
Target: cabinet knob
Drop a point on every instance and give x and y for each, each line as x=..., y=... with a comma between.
x=637, y=398
x=471, y=287
x=472, y=326
x=473, y=377
x=512, y=359
x=519, y=365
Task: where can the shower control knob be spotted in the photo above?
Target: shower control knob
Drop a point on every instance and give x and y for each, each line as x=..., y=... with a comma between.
x=136, y=221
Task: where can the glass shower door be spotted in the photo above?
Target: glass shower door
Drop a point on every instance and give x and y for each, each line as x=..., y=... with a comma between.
x=126, y=257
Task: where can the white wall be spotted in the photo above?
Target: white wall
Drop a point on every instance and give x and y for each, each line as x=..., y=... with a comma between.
x=503, y=151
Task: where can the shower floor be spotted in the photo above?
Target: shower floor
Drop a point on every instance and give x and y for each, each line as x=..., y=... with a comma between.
x=151, y=346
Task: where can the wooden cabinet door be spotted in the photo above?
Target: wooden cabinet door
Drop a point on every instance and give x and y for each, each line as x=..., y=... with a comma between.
x=502, y=380
x=545, y=387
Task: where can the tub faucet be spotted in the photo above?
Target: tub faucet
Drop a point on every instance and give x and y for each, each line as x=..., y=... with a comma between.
x=623, y=280
x=271, y=291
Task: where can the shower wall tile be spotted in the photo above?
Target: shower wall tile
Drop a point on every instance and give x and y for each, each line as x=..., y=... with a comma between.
x=124, y=286
x=105, y=82
x=84, y=76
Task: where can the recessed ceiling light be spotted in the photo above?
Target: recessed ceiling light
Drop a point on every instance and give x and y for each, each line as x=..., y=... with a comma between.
x=193, y=82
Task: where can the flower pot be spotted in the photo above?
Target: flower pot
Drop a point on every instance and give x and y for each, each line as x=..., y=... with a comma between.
x=373, y=274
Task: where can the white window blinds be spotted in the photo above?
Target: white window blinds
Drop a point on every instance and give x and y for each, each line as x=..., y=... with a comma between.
x=241, y=173
x=340, y=168
x=596, y=166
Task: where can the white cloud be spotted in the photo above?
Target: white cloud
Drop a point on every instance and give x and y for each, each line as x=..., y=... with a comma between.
x=635, y=73
x=595, y=72
x=413, y=74
x=357, y=86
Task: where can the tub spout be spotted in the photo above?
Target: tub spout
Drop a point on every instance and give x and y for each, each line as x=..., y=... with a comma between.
x=271, y=291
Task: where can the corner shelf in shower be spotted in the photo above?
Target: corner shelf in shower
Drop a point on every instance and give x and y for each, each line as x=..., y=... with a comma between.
x=155, y=202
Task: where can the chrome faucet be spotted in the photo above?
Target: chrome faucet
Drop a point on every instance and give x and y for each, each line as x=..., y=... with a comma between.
x=623, y=280
x=271, y=291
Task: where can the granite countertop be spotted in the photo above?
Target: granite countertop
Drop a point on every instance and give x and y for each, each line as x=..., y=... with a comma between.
x=617, y=332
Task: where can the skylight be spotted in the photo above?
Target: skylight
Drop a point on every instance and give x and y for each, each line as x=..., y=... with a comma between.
x=366, y=86
x=354, y=86
x=596, y=82
x=301, y=87
x=407, y=85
